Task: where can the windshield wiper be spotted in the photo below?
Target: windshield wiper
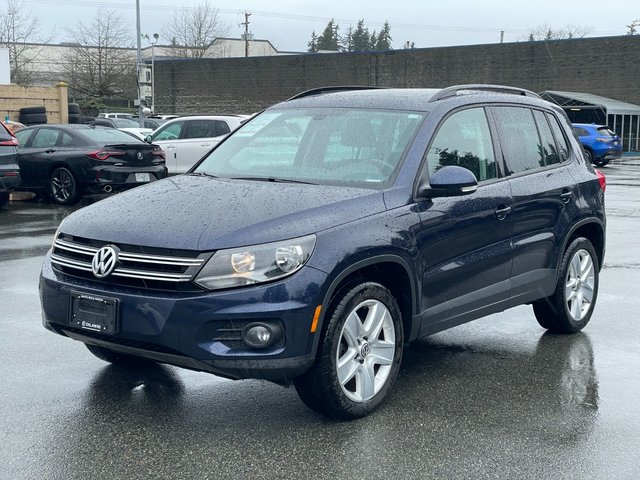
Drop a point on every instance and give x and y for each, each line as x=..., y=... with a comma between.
x=273, y=179
x=201, y=174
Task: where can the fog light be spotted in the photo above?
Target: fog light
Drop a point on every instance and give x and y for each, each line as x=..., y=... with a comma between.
x=261, y=335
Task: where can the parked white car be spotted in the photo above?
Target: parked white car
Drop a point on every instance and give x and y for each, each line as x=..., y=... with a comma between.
x=124, y=124
x=186, y=140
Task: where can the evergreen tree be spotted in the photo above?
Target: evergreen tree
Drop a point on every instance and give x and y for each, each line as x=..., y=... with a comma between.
x=330, y=39
x=313, y=43
x=360, y=38
x=383, y=42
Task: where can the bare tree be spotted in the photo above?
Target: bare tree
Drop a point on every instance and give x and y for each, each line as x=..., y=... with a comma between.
x=545, y=32
x=98, y=64
x=633, y=27
x=18, y=29
x=193, y=31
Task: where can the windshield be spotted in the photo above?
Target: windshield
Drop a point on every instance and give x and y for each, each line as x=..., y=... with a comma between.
x=108, y=136
x=125, y=123
x=333, y=146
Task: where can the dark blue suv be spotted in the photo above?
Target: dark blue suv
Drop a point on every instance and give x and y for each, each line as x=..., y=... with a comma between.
x=332, y=229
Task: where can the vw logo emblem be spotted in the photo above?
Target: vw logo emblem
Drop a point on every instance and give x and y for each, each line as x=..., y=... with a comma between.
x=140, y=155
x=104, y=261
x=365, y=349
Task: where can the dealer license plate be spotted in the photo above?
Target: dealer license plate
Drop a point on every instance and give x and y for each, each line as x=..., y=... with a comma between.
x=143, y=177
x=97, y=314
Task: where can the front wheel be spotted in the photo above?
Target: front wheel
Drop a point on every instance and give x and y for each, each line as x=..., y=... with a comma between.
x=570, y=307
x=359, y=356
x=63, y=187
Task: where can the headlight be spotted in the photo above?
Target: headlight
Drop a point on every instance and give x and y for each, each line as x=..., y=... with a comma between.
x=238, y=267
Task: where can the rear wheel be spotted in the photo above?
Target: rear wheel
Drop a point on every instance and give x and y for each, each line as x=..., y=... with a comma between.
x=118, y=358
x=570, y=307
x=588, y=155
x=600, y=163
x=359, y=356
x=63, y=187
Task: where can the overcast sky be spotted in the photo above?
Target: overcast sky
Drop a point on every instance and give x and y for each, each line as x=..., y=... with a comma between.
x=288, y=23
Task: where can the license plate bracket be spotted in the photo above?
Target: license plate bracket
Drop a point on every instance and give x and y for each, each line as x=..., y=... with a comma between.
x=94, y=313
x=143, y=177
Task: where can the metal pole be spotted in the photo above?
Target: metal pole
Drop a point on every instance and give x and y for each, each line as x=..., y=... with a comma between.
x=153, y=79
x=138, y=62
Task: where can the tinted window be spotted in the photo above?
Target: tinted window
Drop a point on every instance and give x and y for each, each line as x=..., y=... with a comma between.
x=605, y=132
x=168, y=132
x=519, y=139
x=464, y=139
x=561, y=139
x=23, y=136
x=4, y=133
x=45, y=138
x=581, y=132
x=200, y=129
x=125, y=123
x=222, y=128
x=67, y=140
x=109, y=136
x=548, y=152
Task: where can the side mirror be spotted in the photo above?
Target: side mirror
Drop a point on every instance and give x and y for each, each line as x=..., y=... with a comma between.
x=449, y=181
x=147, y=139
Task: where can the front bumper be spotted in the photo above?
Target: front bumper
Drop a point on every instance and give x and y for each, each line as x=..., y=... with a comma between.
x=183, y=328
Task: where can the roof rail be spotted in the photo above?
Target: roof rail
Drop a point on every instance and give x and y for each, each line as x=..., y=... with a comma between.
x=330, y=89
x=465, y=89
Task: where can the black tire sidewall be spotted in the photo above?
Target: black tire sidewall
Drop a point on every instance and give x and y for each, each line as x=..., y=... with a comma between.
x=33, y=110
x=566, y=323
x=341, y=406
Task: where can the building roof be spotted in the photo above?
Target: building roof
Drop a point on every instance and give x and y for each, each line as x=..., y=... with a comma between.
x=589, y=100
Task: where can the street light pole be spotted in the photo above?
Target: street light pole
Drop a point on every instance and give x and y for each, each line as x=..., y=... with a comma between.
x=138, y=62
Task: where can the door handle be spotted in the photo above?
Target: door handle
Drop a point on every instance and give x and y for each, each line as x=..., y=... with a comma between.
x=502, y=212
x=565, y=196
x=49, y=151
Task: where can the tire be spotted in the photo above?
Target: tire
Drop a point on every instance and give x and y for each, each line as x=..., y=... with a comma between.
x=356, y=315
x=33, y=110
x=569, y=309
x=33, y=118
x=117, y=358
x=74, y=118
x=74, y=109
x=63, y=187
x=600, y=163
x=4, y=198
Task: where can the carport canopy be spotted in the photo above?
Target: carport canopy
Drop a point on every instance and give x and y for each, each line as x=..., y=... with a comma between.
x=589, y=100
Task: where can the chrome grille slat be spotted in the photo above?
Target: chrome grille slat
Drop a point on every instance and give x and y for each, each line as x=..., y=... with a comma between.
x=69, y=256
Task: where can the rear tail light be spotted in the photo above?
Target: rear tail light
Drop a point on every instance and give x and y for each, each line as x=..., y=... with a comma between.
x=158, y=152
x=12, y=142
x=605, y=139
x=602, y=179
x=104, y=154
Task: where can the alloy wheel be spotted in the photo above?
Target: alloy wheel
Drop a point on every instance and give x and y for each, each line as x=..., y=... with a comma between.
x=579, y=285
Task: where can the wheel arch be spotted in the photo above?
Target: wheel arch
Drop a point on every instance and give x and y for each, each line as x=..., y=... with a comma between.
x=391, y=271
x=592, y=229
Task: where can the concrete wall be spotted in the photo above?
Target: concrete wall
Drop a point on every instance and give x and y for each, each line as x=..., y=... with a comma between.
x=15, y=97
x=608, y=66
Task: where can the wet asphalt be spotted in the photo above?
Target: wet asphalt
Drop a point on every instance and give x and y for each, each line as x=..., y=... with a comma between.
x=496, y=398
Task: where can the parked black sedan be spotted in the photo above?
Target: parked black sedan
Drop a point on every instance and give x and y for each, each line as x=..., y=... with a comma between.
x=9, y=173
x=67, y=161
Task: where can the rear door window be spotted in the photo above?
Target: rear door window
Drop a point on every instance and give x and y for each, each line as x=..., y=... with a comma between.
x=464, y=139
x=519, y=139
x=561, y=139
x=200, y=129
x=45, y=138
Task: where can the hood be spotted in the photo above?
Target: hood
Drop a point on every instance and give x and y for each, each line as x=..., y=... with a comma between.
x=204, y=213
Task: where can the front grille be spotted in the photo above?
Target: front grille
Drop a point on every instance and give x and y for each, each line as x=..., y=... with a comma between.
x=152, y=347
x=143, y=267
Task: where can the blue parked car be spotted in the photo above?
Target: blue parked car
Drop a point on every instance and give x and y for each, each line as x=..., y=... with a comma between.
x=330, y=230
x=601, y=144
